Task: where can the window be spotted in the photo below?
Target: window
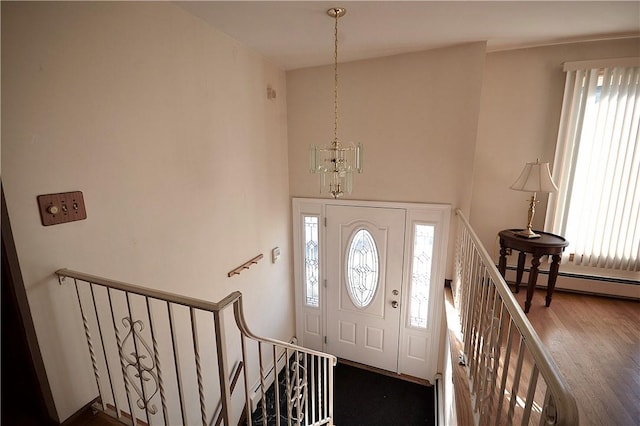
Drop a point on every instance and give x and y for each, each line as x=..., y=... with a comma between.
x=421, y=274
x=362, y=268
x=597, y=167
x=311, y=263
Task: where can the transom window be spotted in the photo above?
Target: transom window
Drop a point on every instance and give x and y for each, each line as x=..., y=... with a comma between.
x=362, y=268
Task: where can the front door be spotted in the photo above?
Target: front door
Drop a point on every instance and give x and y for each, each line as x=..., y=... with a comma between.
x=365, y=247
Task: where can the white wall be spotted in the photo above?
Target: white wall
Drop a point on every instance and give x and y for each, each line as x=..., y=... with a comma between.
x=416, y=115
x=164, y=125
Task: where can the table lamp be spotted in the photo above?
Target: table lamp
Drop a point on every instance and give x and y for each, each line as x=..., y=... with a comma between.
x=535, y=177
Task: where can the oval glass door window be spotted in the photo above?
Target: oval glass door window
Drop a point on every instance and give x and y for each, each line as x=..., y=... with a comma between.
x=362, y=268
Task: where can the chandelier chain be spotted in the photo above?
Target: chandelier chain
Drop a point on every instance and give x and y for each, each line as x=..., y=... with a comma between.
x=336, y=163
x=335, y=87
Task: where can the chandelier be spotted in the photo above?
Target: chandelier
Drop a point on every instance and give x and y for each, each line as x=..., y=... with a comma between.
x=336, y=163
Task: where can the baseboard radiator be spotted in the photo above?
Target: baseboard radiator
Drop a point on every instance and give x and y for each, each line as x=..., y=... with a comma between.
x=511, y=377
x=164, y=359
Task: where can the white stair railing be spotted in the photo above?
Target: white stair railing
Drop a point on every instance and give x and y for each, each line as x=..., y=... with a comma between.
x=512, y=378
x=163, y=359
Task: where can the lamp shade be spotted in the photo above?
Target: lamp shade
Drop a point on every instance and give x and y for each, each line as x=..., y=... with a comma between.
x=535, y=177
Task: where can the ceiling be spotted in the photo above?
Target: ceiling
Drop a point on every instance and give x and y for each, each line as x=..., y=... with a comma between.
x=297, y=34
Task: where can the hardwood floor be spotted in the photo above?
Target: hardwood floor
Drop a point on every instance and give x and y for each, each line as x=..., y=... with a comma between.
x=595, y=341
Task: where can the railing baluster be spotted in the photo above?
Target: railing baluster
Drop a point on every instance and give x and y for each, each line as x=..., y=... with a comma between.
x=496, y=360
x=122, y=364
x=547, y=417
x=477, y=318
x=104, y=349
x=305, y=392
x=156, y=357
x=468, y=303
x=288, y=387
x=196, y=354
x=137, y=364
x=481, y=337
x=276, y=384
x=531, y=393
x=330, y=400
x=328, y=396
x=487, y=341
x=225, y=387
x=320, y=363
x=505, y=372
x=492, y=357
x=312, y=389
x=474, y=312
x=516, y=382
x=297, y=388
x=263, y=386
x=92, y=353
x=247, y=397
x=176, y=361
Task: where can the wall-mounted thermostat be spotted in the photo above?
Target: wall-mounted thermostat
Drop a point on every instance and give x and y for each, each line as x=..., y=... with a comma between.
x=275, y=254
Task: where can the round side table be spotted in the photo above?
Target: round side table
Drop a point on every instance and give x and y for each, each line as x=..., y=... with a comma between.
x=546, y=245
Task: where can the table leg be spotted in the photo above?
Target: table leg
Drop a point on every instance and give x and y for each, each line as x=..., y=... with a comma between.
x=533, y=277
x=502, y=263
x=521, y=257
x=553, y=275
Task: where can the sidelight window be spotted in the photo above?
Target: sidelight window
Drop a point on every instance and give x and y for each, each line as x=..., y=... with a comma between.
x=421, y=274
x=311, y=261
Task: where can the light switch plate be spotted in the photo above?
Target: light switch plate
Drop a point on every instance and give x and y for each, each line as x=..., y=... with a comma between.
x=61, y=208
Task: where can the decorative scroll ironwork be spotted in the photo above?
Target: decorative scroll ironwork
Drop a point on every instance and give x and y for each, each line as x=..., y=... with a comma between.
x=142, y=370
x=298, y=396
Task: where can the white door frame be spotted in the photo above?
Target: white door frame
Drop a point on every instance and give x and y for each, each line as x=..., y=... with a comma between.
x=418, y=348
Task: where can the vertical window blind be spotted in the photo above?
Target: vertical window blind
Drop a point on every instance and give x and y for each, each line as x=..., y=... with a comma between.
x=597, y=166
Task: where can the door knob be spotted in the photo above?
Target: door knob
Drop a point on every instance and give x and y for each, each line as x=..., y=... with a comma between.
x=394, y=304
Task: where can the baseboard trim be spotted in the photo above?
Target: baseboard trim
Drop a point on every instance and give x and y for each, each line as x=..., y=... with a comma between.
x=584, y=284
x=624, y=281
